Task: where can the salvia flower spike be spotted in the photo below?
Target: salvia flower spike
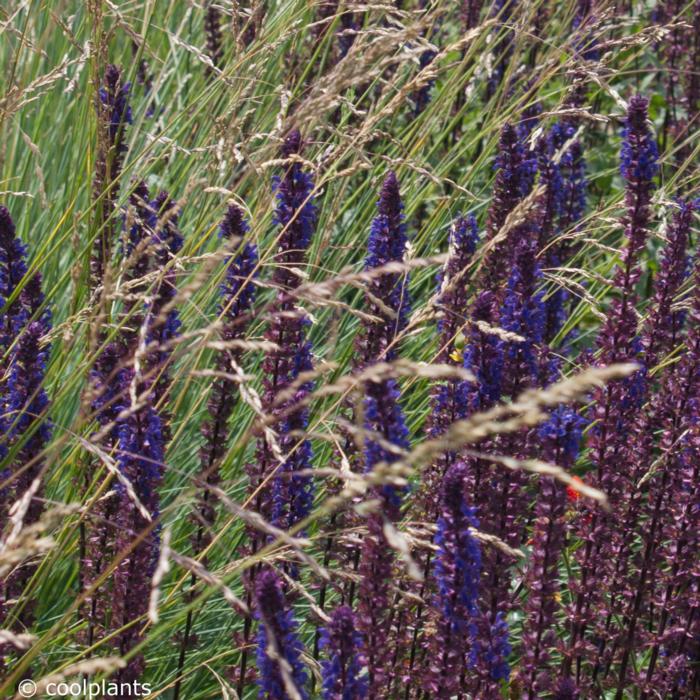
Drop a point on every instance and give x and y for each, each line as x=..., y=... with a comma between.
x=343, y=673
x=387, y=243
x=237, y=296
x=113, y=114
x=457, y=575
x=279, y=647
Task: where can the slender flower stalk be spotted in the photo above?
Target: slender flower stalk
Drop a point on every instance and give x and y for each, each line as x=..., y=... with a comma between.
x=24, y=427
x=457, y=574
x=453, y=295
x=113, y=114
x=447, y=400
x=24, y=402
x=23, y=352
x=387, y=437
x=387, y=293
x=616, y=405
x=162, y=318
x=514, y=179
x=343, y=671
x=125, y=397
x=278, y=491
x=279, y=648
x=237, y=297
x=296, y=215
x=140, y=460
x=561, y=437
x=664, y=322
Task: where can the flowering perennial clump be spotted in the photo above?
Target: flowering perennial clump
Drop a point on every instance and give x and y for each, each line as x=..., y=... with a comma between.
x=278, y=421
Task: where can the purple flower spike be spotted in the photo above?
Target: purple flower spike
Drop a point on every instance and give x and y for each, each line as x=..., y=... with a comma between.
x=113, y=113
x=449, y=401
x=114, y=95
x=162, y=318
x=237, y=296
x=23, y=356
x=454, y=293
x=277, y=641
x=387, y=243
x=25, y=405
x=516, y=169
x=384, y=418
x=281, y=493
x=24, y=402
x=295, y=213
x=140, y=454
x=497, y=655
x=15, y=312
x=237, y=293
x=664, y=324
x=292, y=489
x=457, y=574
x=343, y=672
x=560, y=439
x=514, y=178
x=142, y=219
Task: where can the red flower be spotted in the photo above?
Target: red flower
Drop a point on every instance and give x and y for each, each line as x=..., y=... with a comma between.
x=572, y=493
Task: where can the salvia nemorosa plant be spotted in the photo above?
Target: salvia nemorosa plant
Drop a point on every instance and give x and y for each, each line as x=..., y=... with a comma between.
x=127, y=397
x=343, y=670
x=237, y=295
x=516, y=168
x=647, y=512
x=162, y=321
x=493, y=540
x=453, y=647
x=279, y=482
x=283, y=366
x=616, y=405
x=142, y=433
x=140, y=454
x=387, y=292
x=452, y=305
x=282, y=673
x=560, y=438
x=113, y=115
x=668, y=572
x=387, y=437
x=24, y=326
